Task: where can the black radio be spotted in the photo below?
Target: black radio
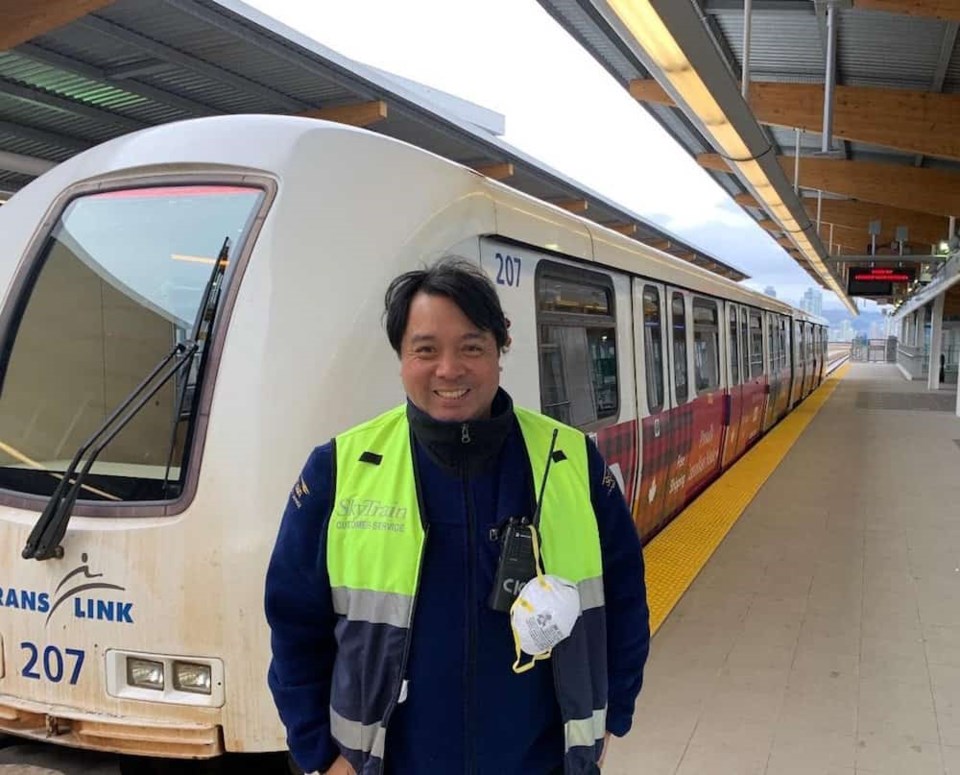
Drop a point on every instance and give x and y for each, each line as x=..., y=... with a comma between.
x=517, y=563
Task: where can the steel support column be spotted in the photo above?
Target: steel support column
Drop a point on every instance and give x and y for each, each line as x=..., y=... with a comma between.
x=936, y=335
x=745, y=69
x=830, y=78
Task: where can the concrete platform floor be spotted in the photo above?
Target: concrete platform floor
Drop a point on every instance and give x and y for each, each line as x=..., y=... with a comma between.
x=823, y=637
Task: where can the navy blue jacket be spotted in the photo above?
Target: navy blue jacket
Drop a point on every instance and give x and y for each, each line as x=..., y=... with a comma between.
x=466, y=711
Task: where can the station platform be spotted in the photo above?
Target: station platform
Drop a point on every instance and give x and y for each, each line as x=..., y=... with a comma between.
x=823, y=634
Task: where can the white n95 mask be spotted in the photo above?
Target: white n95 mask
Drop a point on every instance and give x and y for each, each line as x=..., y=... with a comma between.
x=542, y=616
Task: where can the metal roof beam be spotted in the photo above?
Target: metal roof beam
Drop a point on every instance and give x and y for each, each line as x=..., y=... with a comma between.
x=24, y=20
x=74, y=144
x=895, y=118
x=145, y=67
x=858, y=238
x=199, y=66
x=948, y=10
x=71, y=65
x=71, y=107
x=778, y=7
x=923, y=227
x=24, y=165
x=947, y=44
x=909, y=188
x=907, y=258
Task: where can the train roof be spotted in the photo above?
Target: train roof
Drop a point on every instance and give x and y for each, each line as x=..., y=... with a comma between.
x=273, y=144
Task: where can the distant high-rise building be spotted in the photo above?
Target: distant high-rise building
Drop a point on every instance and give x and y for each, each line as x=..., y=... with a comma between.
x=770, y=291
x=812, y=302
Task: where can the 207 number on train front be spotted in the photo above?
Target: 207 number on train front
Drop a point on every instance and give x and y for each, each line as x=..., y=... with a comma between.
x=51, y=663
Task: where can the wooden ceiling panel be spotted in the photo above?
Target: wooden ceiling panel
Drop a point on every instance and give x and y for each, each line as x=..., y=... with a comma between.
x=948, y=10
x=922, y=228
x=927, y=123
x=21, y=20
x=896, y=185
x=357, y=114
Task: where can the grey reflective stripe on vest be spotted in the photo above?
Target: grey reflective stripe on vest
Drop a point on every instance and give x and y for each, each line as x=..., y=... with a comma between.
x=364, y=605
x=591, y=593
x=585, y=731
x=368, y=738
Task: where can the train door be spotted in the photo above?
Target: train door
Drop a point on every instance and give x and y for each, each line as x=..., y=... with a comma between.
x=680, y=439
x=824, y=351
x=774, y=382
x=807, y=358
x=796, y=391
x=734, y=400
x=742, y=438
x=653, y=404
x=818, y=354
x=707, y=404
x=785, y=366
x=755, y=387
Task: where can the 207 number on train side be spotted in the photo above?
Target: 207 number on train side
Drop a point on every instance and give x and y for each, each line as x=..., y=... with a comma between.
x=52, y=663
x=508, y=270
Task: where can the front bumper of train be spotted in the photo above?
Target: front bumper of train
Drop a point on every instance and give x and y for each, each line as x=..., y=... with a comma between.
x=77, y=729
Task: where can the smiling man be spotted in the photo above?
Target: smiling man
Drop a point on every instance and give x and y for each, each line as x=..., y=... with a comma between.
x=389, y=593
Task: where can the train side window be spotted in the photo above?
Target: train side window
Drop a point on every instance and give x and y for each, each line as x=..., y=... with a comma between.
x=578, y=345
x=744, y=344
x=756, y=344
x=653, y=348
x=734, y=348
x=678, y=320
x=706, y=345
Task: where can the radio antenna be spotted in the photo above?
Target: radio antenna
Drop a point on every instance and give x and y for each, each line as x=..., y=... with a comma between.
x=543, y=484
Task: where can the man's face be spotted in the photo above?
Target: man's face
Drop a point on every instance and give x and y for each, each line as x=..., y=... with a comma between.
x=449, y=367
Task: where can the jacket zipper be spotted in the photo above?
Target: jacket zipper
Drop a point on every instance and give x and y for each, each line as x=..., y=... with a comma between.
x=469, y=751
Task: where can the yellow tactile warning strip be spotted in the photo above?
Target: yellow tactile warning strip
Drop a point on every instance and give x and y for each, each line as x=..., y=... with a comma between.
x=675, y=557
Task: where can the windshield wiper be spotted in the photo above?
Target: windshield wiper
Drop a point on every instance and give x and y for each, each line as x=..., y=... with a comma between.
x=202, y=331
x=44, y=540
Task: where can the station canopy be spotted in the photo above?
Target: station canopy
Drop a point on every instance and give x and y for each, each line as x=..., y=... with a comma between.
x=75, y=73
x=877, y=175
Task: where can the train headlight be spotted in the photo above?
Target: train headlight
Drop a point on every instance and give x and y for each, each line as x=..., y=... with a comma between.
x=191, y=677
x=179, y=680
x=145, y=673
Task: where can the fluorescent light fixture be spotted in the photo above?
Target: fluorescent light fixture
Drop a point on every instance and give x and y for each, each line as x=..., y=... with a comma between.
x=649, y=30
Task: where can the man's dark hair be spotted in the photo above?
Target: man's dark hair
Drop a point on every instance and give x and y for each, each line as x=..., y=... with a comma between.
x=457, y=279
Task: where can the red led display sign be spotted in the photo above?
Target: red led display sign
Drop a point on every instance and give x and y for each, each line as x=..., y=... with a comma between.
x=877, y=280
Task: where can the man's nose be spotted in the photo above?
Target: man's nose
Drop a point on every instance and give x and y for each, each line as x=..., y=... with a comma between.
x=450, y=365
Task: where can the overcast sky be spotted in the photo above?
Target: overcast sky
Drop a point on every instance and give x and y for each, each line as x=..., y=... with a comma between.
x=560, y=106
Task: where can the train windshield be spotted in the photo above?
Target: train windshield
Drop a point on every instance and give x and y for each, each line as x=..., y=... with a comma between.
x=118, y=283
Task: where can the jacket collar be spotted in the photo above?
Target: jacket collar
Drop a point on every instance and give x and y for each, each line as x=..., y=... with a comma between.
x=463, y=447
